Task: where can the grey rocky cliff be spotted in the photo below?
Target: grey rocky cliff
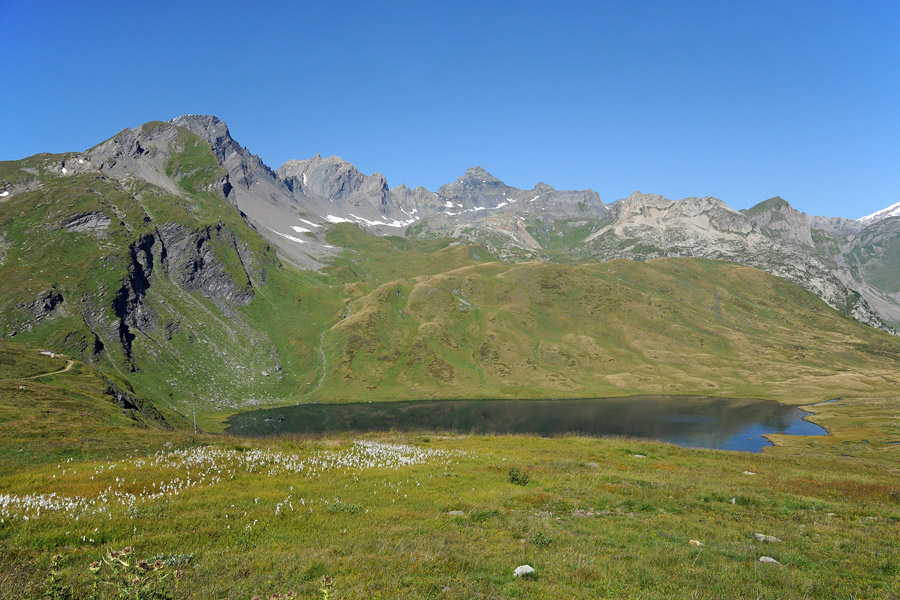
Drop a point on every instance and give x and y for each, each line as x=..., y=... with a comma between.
x=88, y=222
x=192, y=264
x=138, y=154
x=335, y=179
x=266, y=201
x=31, y=313
x=129, y=304
x=187, y=258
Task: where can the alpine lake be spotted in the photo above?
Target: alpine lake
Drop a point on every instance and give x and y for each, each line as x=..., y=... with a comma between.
x=699, y=422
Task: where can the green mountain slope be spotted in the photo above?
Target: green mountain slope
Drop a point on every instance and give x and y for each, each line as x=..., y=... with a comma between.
x=680, y=326
x=161, y=282
x=53, y=408
x=131, y=257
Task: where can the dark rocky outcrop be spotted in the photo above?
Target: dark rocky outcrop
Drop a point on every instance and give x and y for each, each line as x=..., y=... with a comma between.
x=35, y=311
x=128, y=304
x=139, y=409
x=88, y=222
x=191, y=262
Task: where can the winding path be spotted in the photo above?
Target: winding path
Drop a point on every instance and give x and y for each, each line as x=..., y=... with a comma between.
x=324, y=361
x=63, y=370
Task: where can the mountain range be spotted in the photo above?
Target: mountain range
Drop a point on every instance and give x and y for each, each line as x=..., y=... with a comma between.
x=173, y=257
x=847, y=263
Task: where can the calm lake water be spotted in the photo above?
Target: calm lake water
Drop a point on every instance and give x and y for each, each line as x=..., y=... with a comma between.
x=722, y=423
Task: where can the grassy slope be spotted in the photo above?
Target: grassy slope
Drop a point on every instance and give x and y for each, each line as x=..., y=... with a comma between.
x=557, y=237
x=67, y=415
x=416, y=327
x=197, y=355
x=398, y=318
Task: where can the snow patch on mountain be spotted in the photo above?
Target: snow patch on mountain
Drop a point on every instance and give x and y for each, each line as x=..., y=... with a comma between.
x=885, y=213
x=290, y=237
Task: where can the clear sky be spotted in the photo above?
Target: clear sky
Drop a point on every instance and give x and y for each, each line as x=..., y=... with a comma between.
x=741, y=100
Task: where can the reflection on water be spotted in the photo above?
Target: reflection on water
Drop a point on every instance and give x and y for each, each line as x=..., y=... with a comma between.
x=687, y=421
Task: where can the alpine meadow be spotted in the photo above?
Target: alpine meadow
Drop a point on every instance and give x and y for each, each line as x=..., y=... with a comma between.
x=226, y=379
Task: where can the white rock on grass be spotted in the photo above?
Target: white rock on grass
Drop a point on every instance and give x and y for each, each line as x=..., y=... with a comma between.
x=696, y=543
x=522, y=571
x=769, y=560
x=749, y=473
x=456, y=513
x=760, y=537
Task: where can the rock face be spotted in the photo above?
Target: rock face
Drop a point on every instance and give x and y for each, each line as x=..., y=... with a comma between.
x=261, y=196
x=132, y=155
x=129, y=306
x=192, y=264
x=88, y=222
x=134, y=257
x=42, y=306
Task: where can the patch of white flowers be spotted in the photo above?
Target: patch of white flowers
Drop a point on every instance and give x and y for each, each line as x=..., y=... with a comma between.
x=208, y=466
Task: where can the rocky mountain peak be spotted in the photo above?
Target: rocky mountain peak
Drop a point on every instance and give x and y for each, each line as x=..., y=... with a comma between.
x=210, y=128
x=782, y=220
x=641, y=203
x=477, y=176
x=702, y=205
x=139, y=153
x=330, y=178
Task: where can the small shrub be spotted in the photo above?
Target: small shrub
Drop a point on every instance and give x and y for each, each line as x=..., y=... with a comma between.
x=541, y=539
x=121, y=571
x=342, y=507
x=481, y=515
x=517, y=476
x=55, y=589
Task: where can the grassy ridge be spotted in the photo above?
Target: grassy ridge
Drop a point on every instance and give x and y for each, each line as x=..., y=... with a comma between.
x=53, y=409
x=684, y=326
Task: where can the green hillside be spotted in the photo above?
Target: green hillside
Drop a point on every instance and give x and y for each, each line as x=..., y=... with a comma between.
x=185, y=301
x=490, y=329
x=442, y=516
x=54, y=409
x=176, y=293
x=158, y=280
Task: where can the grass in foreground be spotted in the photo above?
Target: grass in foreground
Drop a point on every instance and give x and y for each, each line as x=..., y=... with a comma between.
x=596, y=518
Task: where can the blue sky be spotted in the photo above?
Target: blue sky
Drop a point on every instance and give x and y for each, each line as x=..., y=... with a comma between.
x=738, y=100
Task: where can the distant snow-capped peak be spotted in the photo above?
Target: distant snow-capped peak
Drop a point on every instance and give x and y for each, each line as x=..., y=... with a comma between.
x=890, y=211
